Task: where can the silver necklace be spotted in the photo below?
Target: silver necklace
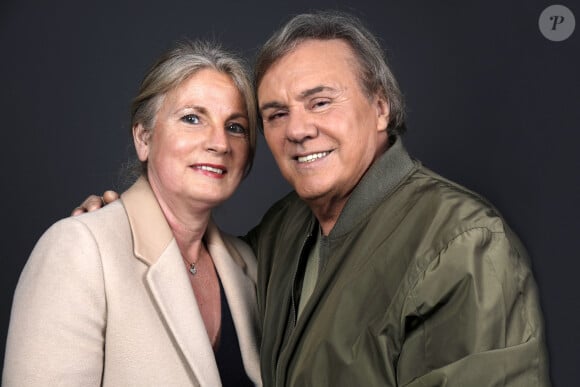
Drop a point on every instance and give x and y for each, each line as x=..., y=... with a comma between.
x=191, y=267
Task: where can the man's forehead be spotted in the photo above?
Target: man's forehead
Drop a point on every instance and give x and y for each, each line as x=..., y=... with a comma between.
x=315, y=50
x=314, y=57
x=321, y=48
x=311, y=67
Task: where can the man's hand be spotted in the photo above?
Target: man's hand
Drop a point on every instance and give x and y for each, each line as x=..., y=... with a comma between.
x=95, y=202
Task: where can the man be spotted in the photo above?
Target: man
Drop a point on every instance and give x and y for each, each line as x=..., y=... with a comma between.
x=376, y=271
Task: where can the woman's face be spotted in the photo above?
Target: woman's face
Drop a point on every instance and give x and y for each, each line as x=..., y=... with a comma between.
x=198, y=148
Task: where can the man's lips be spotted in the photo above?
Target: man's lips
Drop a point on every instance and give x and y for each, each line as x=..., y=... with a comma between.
x=311, y=157
x=212, y=168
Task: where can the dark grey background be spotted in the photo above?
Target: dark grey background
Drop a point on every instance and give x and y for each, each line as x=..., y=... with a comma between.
x=492, y=105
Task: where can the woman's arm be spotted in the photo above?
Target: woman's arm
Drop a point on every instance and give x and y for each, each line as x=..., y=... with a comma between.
x=57, y=325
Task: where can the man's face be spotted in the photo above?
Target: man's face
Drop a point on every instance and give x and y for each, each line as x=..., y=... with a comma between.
x=322, y=129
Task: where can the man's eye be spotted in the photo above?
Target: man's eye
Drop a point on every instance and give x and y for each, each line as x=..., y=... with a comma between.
x=276, y=116
x=236, y=129
x=320, y=103
x=190, y=119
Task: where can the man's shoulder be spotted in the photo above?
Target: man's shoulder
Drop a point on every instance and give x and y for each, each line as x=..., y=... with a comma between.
x=434, y=197
x=289, y=205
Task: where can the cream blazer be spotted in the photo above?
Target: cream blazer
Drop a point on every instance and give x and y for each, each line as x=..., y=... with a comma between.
x=105, y=300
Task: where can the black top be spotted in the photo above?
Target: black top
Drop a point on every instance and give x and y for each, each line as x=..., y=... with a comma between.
x=228, y=355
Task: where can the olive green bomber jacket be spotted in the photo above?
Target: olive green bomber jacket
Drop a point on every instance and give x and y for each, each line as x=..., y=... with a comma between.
x=421, y=283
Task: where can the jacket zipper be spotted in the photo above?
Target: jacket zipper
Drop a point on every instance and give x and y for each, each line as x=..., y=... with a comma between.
x=292, y=320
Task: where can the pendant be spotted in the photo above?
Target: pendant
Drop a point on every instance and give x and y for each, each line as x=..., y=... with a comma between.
x=192, y=269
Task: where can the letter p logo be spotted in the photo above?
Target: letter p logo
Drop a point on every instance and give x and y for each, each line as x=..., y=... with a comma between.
x=557, y=23
x=556, y=20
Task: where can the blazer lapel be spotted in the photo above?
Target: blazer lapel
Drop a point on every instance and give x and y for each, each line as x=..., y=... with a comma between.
x=172, y=291
x=167, y=279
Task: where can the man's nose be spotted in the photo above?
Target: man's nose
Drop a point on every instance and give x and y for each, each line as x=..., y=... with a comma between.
x=300, y=126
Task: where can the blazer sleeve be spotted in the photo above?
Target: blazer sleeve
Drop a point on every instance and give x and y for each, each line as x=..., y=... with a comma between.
x=57, y=326
x=473, y=318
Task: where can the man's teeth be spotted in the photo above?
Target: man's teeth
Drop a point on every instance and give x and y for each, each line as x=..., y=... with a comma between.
x=312, y=157
x=211, y=169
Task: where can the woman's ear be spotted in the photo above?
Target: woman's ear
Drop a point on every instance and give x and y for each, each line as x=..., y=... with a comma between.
x=142, y=139
x=383, y=112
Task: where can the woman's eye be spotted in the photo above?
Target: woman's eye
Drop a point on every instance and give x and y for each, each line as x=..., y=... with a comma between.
x=190, y=119
x=237, y=129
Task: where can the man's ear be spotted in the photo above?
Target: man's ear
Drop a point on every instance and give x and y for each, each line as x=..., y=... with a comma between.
x=142, y=139
x=383, y=112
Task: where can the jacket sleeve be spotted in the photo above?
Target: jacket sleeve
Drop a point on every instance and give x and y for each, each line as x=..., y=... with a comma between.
x=473, y=318
x=57, y=326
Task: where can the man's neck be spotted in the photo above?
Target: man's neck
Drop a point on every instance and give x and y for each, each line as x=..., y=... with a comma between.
x=327, y=211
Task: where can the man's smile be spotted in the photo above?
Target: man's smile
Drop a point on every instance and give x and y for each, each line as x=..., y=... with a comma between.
x=312, y=157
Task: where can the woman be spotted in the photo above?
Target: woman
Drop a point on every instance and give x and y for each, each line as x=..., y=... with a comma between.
x=148, y=291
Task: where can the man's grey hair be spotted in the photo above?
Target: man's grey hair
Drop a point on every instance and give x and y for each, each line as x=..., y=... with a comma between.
x=375, y=75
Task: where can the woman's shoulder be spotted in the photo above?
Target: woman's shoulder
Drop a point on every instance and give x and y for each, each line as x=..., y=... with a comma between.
x=108, y=214
x=77, y=233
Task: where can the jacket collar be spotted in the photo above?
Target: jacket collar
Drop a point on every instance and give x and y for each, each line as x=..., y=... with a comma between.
x=153, y=244
x=171, y=290
x=381, y=179
x=151, y=233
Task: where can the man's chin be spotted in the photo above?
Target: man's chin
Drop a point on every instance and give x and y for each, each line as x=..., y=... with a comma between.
x=312, y=195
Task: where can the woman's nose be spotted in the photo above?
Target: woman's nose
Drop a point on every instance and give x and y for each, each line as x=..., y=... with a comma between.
x=218, y=141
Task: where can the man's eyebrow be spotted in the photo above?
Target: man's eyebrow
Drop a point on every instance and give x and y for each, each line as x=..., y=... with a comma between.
x=303, y=95
x=315, y=90
x=272, y=105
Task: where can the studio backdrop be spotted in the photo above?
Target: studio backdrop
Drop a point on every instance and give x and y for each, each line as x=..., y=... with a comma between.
x=492, y=93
